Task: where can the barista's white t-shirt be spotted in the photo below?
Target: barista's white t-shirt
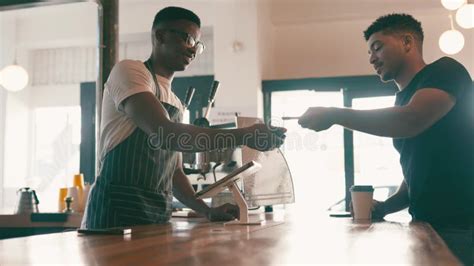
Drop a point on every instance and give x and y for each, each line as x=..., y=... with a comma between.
x=127, y=78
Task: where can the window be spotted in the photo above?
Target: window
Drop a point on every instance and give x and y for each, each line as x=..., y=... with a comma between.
x=316, y=159
x=41, y=124
x=376, y=161
x=47, y=158
x=370, y=159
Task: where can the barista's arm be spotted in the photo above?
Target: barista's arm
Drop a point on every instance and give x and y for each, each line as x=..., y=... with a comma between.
x=150, y=116
x=184, y=192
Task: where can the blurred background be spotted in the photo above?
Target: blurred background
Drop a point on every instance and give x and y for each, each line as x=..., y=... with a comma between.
x=273, y=58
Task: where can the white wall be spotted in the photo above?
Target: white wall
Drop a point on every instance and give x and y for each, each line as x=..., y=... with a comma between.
x=337, y=48
x=58, y=95
x=57, y=26
x=16, y=131
x=266, y=44
x=233, y=20
x=17, y=145
x=8, y=28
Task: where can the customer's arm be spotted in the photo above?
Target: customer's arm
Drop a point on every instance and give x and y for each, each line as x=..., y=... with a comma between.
x=425, y=108
x=397, y=202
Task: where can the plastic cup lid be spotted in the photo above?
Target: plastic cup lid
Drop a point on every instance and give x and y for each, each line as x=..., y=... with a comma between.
x=362, y=188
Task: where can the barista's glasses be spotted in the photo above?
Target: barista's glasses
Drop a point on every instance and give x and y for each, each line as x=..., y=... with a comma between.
x=190, y=41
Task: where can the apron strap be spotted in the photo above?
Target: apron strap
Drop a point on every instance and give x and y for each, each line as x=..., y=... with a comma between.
x=149, y=65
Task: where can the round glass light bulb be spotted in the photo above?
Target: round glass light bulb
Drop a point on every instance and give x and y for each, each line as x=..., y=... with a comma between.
x=465, y=16
x=451, y=42
x=14, y=78
x=452, y=4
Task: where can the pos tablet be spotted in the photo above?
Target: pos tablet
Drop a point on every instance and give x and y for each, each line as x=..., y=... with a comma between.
x=243, y=171
x=228, y=181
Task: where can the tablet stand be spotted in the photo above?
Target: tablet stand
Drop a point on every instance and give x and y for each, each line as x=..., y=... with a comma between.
x=229, y=182
x=243, y=207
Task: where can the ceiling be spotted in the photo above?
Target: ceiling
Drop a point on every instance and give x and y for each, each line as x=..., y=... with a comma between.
x=288, y=12
x=284, y=12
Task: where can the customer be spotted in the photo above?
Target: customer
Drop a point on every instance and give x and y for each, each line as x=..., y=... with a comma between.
x=432, y=126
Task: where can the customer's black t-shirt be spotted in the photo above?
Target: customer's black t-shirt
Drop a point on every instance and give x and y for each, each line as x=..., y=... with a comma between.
x=438, y=164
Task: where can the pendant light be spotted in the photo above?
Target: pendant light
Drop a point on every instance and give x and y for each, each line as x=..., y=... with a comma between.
x=452, y=4
x=451, y=41
x=14, y=77
x=465, y=16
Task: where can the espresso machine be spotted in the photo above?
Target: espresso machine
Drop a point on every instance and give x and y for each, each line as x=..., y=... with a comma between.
x=203, y=162
x=272, y=185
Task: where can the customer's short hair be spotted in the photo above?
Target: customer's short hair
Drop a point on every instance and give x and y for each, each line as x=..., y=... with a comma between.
x=395, y=23
x=173, y=13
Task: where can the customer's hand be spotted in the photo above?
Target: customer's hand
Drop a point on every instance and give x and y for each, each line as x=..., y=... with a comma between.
x=226, y=212
x=263, y=137
x=318, y=118
x=378, y=210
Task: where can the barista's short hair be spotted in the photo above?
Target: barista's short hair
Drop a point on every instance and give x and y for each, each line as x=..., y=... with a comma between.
x=395, y=23
x=173, y=13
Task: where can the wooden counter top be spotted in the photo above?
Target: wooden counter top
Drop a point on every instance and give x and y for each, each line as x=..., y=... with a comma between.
x=73, y=220
x=283, y=239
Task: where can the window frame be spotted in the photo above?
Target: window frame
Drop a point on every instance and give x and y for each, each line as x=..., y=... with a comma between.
x=351, y=87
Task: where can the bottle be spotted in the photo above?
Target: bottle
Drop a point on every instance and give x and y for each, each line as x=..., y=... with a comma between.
x=68, y=201
x=62, y=197
x=78, y=182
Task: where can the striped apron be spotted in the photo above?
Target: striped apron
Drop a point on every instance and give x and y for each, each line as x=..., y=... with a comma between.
x=134, y=186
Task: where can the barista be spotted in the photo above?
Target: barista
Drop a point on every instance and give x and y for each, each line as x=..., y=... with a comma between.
x=142, y=136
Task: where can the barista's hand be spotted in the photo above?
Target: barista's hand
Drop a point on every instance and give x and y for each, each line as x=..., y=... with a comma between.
x=378, y=210
x=318, y=118
x=226, y=212
x=263, y=137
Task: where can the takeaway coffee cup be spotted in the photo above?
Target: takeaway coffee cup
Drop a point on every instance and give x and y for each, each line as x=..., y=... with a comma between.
x=362, y=203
